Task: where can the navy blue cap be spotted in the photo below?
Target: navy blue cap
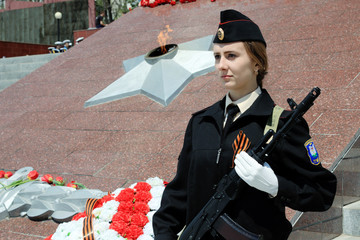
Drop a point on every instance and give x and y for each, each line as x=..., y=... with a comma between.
x=235, y=27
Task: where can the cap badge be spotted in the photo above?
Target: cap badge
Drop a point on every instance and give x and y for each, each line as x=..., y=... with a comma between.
x=221, y=34
x=312, y=152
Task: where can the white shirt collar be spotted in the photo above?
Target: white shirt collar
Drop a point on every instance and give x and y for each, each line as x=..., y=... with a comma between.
x=245, y=102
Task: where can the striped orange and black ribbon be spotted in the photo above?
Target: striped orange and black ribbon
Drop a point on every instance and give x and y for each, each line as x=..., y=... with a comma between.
x=88, y=232
x=241, y=143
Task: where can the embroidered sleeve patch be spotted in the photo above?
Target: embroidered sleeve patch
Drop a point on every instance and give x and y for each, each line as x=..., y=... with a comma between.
x=312, y=152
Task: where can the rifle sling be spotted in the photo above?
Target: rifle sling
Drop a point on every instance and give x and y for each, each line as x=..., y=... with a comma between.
x=229, y=229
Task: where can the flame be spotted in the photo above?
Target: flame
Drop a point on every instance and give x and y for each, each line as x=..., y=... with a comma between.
x=163, y=37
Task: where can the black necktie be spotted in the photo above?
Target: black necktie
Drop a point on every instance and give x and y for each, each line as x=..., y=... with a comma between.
x=232, y=110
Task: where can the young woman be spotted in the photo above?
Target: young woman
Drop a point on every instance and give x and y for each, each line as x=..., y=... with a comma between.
x=291, y=176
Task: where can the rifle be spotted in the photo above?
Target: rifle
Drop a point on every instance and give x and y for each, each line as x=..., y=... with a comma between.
x=211, y=215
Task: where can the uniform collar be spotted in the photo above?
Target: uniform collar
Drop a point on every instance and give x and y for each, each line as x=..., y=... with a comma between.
x=262, y=106
x=245, y=102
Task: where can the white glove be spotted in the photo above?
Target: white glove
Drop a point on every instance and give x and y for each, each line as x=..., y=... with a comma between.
x=256, y=175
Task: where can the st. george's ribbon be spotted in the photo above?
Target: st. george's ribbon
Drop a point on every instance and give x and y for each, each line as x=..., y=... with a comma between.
x=88, y=232
x=241, y=143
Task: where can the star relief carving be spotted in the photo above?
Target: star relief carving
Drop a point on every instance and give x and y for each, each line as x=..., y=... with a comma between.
x=160, y=78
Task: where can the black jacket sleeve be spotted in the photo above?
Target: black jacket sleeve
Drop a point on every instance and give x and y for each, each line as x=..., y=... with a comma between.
x=303, y=185
x=170, y=219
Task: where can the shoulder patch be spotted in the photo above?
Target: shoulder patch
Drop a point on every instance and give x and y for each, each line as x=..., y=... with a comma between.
x=312, y=152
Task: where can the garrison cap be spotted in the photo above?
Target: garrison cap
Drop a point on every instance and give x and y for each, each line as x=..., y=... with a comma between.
x=79, y=39
x=235, y=27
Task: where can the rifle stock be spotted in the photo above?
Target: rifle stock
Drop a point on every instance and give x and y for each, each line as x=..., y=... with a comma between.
x=231, y=183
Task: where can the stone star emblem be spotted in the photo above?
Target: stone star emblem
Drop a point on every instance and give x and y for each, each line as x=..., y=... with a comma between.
x=161, y=80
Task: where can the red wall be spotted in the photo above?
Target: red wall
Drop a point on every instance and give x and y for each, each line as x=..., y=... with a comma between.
x=12, y=49
x=84, y=33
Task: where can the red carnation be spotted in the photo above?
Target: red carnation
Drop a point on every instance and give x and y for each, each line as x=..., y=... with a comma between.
x=59, y=181
x=143, y=186
x=133, y=232
x=8, y=174
x=33, y=175
x=47, y=178
x=139, y=220
x=72, y=184
x=143, y=196
x=103, y=200
x=141, y=207
x=121, y=217
x=127, y=207
x=119, y=227
x=78, y=216
x=125, y=195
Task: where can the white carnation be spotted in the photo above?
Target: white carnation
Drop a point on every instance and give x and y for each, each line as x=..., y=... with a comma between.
x=157, y=191
x=148, y=229
x=145, y=237
x=155, y=181
x=155, y=203
x=69, y=231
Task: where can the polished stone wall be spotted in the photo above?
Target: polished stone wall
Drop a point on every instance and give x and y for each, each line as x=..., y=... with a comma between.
x=38, y=24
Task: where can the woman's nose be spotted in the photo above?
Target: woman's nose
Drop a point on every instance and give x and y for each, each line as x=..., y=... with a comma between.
x=221, y=64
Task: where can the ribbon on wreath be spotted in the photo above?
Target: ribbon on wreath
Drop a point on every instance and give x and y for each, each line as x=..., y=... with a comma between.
x=241, y=143
x=88, y=231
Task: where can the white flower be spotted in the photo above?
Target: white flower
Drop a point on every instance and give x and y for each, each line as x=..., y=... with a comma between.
x=155, y=203
x=145, y=237
x=157, y=191
x=103, y=215
x=107, y=211
x=150, y=215
x=155, y=181
x=100, y=227
x=69, y=231
x=148, y=229
x=102, y=232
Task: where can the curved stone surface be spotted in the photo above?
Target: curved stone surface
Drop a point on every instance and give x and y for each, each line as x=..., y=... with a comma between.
x=41, y=201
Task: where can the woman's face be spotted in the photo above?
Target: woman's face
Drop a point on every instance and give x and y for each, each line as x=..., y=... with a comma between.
x=236, y=70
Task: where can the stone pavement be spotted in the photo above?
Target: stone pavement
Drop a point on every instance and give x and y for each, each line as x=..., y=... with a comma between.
x=43, y=123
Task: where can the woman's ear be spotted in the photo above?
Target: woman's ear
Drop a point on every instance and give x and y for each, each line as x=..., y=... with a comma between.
x=256, y=68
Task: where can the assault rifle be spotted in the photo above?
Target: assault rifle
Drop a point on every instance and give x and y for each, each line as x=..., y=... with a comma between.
x=211, y=216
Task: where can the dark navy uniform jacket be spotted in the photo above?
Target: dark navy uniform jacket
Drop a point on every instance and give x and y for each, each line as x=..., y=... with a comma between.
x=303, y=185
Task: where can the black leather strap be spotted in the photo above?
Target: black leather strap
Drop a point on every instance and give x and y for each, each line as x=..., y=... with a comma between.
x=230, y=229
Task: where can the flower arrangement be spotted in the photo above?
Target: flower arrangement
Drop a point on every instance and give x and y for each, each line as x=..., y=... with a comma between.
x=124, y=214
x=154, y=3
x=34, y=176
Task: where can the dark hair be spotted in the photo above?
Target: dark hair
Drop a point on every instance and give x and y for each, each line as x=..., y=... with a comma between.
x=257, y=52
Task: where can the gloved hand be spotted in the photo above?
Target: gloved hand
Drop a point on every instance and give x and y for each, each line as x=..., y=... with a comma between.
x=256, y=175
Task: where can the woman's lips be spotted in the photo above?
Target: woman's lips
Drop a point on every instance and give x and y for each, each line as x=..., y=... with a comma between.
x=226, y=76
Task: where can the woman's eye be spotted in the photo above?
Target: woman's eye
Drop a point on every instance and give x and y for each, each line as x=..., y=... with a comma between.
x=231, y=56
x=217, y=57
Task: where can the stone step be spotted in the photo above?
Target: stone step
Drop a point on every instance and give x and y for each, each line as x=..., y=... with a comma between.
x=28, y=66
x=28, y=59
x=13, y=75
x=15, y=68
x=346, y=237
x=351, y=219
x=7, y=83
